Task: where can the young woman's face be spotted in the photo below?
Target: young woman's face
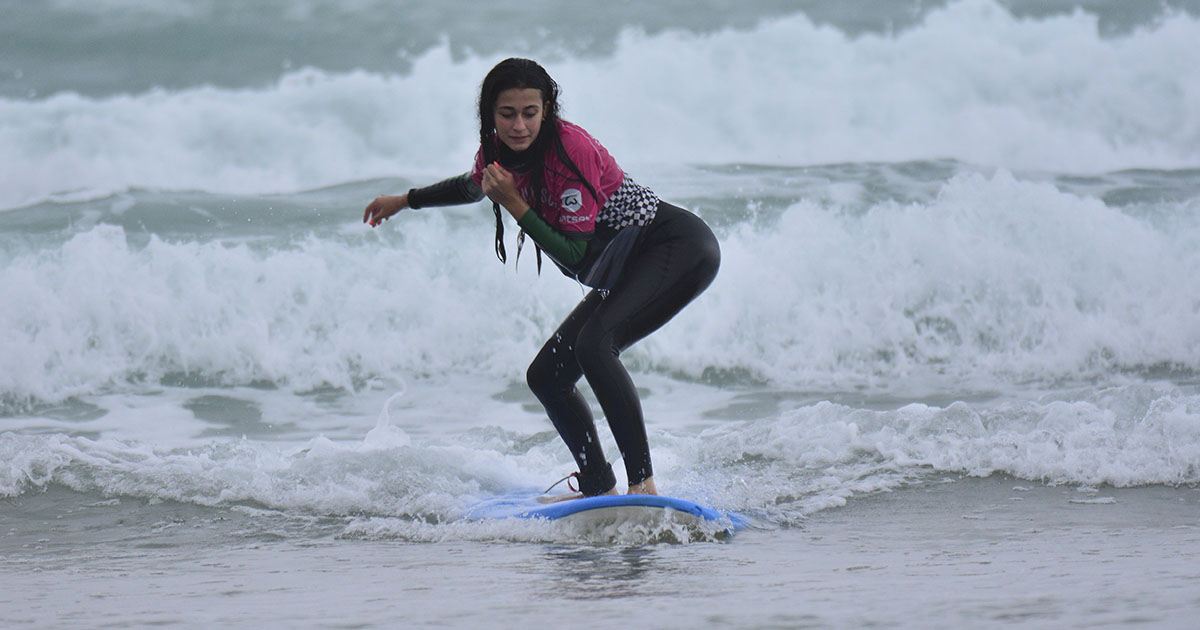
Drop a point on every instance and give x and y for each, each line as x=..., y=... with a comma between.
x=519, y=115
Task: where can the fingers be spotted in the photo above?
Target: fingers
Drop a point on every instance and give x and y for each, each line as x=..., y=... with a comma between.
x=373, y=213
x=376, y=212
x=496, y=173
x=497, y=181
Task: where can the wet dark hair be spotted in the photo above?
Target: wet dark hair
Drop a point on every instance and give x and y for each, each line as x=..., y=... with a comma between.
x=517, y=73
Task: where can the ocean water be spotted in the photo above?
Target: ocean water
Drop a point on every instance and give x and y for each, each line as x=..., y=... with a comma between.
x=950, y=369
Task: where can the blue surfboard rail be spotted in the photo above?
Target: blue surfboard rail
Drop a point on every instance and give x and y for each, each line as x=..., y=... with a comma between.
x=526, y=506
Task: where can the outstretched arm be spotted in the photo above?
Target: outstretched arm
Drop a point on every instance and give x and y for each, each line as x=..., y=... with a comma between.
x=456, y=190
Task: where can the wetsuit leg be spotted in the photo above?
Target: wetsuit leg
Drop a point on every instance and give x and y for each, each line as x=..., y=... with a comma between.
x=677, y=260
x=552, y=377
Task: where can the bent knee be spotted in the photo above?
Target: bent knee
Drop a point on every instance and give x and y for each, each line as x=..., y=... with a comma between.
x=595, y=347
x=540, y=376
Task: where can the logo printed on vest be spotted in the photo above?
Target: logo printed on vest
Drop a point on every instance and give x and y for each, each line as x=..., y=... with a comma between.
x=572, y=200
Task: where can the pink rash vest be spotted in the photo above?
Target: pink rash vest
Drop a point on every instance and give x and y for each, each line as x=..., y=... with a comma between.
x=566, y=204
x=620, y=208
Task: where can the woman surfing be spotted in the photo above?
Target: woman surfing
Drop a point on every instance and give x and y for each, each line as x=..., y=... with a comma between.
x=644, y=258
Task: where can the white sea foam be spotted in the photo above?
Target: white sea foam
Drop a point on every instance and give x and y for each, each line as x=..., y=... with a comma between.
x=99, y=311
x=1123, y=436
x=971, y=82
x=996, y=279
x=777, y=469
x=995, y=276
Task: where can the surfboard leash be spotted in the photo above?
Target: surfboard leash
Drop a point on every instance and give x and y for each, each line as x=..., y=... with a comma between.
x=566, y=479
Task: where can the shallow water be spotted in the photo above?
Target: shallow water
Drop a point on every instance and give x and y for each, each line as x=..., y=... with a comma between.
x=982, y=552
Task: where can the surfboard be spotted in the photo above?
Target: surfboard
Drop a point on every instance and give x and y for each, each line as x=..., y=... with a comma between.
x=615, y=508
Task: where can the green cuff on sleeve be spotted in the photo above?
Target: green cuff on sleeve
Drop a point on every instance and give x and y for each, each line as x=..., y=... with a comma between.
x=565, y=250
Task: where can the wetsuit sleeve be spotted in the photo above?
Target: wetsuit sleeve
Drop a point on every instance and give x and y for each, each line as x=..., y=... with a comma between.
x=454, y=191
x=567, y=251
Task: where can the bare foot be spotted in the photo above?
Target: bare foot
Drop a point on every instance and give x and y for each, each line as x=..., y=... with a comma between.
x=646, y=487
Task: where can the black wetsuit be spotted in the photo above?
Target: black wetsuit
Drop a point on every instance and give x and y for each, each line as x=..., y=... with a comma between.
x=675, y=261
x=664, y=264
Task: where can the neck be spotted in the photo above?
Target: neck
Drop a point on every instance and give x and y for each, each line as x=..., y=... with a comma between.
x=518, y=161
